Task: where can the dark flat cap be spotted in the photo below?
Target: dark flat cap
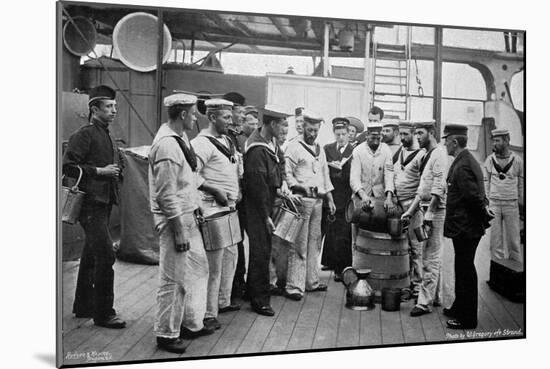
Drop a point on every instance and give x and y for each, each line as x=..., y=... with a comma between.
x=235, y=97
x=101, y=92
x=455, y=130
x=340, y=120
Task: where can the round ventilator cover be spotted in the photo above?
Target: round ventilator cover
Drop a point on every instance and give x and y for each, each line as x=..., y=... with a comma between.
x=83, y=42
x=135, y=41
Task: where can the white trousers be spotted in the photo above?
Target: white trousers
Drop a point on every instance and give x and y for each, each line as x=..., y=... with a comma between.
x=505, y=237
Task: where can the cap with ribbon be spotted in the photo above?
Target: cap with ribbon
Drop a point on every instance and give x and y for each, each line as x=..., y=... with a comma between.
x=406, y=124
x=429, y=124
x=101, y=92
x=273, y=112
x=391, y=124
x=499, y=132
x=359, y=126
x=180, y=99
x=311, y=117
x=236, y=98
x=455, y=130
x=218, y=104
x=374, y=127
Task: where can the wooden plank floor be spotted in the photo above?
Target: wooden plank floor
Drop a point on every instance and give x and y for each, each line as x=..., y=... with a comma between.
x=319, y=321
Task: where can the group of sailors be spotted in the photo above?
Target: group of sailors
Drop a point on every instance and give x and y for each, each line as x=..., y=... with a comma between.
x=242, y=161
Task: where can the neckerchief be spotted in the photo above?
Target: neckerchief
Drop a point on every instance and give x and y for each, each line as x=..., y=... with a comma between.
x=314, y=154
x=227, y=152
x=188, y=152
x=404, y=163
x=396, y=156
x=502, y=171
x=425, y=161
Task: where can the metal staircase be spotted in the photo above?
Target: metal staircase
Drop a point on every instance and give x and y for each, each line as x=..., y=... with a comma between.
x=390, y=79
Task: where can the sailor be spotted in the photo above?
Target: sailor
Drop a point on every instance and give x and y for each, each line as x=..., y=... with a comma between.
x=371, y=173
x=262, y=178
x=298, y=126
x=375, y=116
x=407, y=178
x=218, y=165
x=250, y=123
x=390, y=136
x=503, y=174
x=355, y=128
x=431, y=196
x=174, y=198
x=237, y=132
x=468, y=217
x=307, y=175
x=337, y=242
x=92, y=150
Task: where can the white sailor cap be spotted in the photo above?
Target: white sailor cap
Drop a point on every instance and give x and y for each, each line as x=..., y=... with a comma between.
x=311, y=117
x=375, y=127
x=180, y=99
x=218, y=104
x=499, y=132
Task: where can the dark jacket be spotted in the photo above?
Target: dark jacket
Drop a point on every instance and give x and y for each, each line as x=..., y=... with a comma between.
x=89, y=148
x=262, y=175
x=339, y=178
x=465, y=198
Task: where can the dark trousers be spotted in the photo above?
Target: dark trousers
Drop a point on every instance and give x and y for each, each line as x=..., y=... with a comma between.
x=465, y=304
x=94, y=287
x=257, y=283
x=337, y=243
x=240, y=271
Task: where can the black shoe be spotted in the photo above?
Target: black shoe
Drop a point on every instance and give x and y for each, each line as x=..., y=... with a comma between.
x=189, y=334
x=211, y=323
x=175, y=345
x=263, y=310
x=449, y=312
x=228, y=308
x=320, y=288
x=455, y=324
x=418, y=311
x=83, y=314
x=324, y=268
x=275, y=290
x=110, y=322
x=293, y=296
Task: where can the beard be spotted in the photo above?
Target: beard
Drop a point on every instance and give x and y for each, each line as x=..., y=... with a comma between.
x=309, y=140
x=406, y=144
x=374, y=145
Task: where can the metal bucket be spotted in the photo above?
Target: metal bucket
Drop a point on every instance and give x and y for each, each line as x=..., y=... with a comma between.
x=387, y=257
x=288, y=224
x=220, y=230
x=391, y=299
x=71, y=201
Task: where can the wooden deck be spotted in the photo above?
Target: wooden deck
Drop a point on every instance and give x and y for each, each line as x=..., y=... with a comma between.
x=319, y=321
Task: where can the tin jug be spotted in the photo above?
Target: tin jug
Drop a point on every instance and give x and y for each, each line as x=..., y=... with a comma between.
x=396, y=227
x=71, y=201
x=422, y=233
x=220, y=230
x=359, y=294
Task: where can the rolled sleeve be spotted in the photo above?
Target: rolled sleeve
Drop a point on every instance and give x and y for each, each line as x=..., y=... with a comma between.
x=290, y=167
x=166, y=172
x=389, y=184
x=439, y=170
x=355, y=172
x=327, y=183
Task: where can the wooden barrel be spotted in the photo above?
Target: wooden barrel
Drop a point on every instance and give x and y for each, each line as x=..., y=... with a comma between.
x=387, y=257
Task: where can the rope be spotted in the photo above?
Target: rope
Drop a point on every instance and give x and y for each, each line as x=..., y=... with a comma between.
x=108, y=72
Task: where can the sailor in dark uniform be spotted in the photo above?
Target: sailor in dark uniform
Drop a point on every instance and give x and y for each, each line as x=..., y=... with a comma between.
x=262, y=178
x=466, y=220
x=92, y=149
x=237, y=136
x=337, y=242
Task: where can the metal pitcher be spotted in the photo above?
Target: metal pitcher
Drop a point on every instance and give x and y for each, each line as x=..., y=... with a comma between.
x=422, y=233
x=359, y=294
x=396, y=227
